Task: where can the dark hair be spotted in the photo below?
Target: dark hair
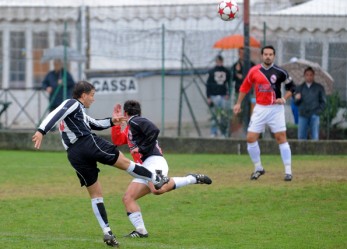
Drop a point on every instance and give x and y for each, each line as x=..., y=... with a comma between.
x=220, y=58
x=308, y=69
x=132, y=107
x=268, y=47
x=82, y=87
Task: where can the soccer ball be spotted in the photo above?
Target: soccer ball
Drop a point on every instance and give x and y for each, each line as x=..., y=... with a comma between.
x=227, y=10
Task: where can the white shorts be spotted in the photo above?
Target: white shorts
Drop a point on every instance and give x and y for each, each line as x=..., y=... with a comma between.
x=271, y=115
x=153, y=163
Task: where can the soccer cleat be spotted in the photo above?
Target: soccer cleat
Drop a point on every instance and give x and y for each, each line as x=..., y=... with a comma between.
x=160, y=180
x=201, y=179
x=256, y=174
x=136, y=234
x=110, y=240
x=288, y=177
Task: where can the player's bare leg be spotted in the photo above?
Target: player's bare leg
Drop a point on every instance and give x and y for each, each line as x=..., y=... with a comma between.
x=134, y=192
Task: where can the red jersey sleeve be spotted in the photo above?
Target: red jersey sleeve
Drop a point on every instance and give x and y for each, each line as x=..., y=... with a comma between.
x=248, y=81
x=118, y=136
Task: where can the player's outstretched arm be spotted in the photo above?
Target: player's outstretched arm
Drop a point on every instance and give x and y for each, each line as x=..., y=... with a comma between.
x=37, y=139
x=118, y=120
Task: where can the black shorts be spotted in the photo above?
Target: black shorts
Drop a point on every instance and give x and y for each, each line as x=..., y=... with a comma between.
x=86, y=152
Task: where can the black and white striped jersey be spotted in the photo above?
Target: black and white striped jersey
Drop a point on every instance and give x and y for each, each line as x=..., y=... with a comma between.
x=73, y=122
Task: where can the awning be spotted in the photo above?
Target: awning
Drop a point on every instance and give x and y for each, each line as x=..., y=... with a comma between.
x=321, y=15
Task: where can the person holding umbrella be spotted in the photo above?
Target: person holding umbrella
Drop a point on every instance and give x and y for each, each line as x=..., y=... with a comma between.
x=311, y=100
x=53, y=84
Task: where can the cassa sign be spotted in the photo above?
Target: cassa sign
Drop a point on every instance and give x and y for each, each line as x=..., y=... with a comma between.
x=115, y=85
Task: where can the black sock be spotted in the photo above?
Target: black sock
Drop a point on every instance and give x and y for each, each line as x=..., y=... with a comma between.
x=142, y=171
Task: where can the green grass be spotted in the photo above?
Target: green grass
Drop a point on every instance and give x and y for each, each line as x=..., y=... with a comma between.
x=43, y=206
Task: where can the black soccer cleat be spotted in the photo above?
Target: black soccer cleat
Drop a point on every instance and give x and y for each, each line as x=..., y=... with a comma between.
x=288, y=177
x=110, y=240
x=256, y=174
x=160, y=180
x=201, y=179
x=136, y=234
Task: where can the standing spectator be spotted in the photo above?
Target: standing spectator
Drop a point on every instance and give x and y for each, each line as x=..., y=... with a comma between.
x=238, y=76
x=295, y=110
x=311, y=100
x=53, y=84
x=237, y=70
x=217, y=91
x=269, y=109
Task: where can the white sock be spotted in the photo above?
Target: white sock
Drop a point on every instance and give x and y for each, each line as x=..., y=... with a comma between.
x=131, y=167
x=137, y=221
x=286, y=155
x=100, y=214
x=183, y=181
x=254, y=153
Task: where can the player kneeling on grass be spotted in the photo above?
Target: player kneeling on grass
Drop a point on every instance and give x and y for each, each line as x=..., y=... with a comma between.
x=85, y=149
x=141, y=136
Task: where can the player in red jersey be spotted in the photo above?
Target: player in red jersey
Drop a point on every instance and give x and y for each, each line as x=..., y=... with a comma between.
x=267, y=78
x=141, y=136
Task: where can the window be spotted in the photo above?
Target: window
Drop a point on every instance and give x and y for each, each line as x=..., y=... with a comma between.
x=338, y=68
x=59, y=39
x=290, y=50
x=313, y=52
x=17, y=60
x=40, y=42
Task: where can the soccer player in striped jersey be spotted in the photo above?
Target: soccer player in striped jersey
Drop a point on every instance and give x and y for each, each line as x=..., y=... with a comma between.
x=85, y=149
x=141, y=136
x=267, y=79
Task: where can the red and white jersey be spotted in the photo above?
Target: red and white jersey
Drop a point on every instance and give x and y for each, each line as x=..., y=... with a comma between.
x=267, y=83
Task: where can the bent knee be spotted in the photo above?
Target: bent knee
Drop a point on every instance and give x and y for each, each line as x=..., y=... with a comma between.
x=127, y=198
x=252, y=137
x=158, y=192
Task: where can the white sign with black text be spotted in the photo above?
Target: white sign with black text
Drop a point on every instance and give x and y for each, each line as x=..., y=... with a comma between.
x=118, y=85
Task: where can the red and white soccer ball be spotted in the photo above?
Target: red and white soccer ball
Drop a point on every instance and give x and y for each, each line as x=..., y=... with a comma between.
x=228, y=10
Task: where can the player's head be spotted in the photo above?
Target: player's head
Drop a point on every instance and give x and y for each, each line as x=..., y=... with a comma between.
x=268, y=47
x=82, y=87
x=132, y=107
x=268, y=55
x=84, y=92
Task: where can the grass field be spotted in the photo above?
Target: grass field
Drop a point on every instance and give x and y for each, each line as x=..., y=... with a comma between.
x=43, y=206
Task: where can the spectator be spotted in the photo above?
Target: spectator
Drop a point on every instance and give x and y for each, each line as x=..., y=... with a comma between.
x=217, y=91
x=238, y=76
x=295, y=110
x=53, y=84
x=237, y=70
x=311, y=100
